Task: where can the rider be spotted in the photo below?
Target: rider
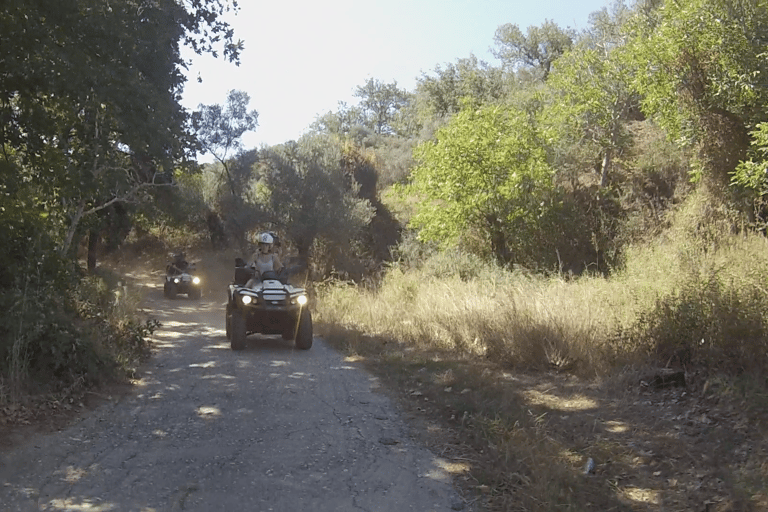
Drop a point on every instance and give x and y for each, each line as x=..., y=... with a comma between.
x=264, y=260
x=276, y=246
x=179, y=265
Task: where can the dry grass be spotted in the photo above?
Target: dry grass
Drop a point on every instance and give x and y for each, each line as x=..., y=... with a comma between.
x=523, y=379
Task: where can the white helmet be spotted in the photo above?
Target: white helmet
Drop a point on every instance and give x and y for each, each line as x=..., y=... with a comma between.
x=266, y=238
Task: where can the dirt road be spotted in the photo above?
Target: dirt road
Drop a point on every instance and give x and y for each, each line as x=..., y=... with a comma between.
x=270, y=428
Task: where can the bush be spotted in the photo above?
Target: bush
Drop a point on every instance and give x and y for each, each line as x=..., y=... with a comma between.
x=56, y=332
x=714, y=309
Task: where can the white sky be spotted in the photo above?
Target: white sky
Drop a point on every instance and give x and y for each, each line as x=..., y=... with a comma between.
x=302, y=57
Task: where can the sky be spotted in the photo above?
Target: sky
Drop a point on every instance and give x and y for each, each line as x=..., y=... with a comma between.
x=302, y=57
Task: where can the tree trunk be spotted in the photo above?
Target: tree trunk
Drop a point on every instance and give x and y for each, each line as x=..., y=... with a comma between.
x=498, y=240
x=605, y=166
x=93, y=244
x=65, y=245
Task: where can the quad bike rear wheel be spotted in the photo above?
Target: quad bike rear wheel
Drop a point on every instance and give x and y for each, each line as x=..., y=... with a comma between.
x=238, y=334
x=172, y=291
x=289, y=333
x=228, y=322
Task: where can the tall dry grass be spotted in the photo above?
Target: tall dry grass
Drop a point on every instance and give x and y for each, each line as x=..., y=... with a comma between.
x=697, y=297
x=689, y=296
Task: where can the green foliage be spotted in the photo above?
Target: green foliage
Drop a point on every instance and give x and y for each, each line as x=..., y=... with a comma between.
x=656, y=309
x=538, y=48
x=753, y=173
x=304, y=191
x=380, y=103
x=591, y=101
x=485, y=177
x=715, y=320
x=441, y=93
x=656, y=179
x=89, y=97
x=394, y=161
x=219, y=129
x=58, y=329
x=699, y=67
x=341, y=121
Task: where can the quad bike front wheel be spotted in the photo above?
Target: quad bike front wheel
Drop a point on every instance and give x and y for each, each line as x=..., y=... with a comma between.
x=304, y=331
x=195, y=293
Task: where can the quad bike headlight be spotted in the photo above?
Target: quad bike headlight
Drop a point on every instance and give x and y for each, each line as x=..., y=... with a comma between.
x=196, y=280
x=246, y=299
x=176, y=280
x=301, y=299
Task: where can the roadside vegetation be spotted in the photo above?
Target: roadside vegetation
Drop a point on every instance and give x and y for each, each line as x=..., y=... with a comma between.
x=557, y=264
x=673, y=304
x=457, y=337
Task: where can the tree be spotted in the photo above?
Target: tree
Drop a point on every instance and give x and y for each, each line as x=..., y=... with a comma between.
x=700, y=68
x=591, y=99
x=89, y=119
x=607, y=27
x=380, y=103
x=304, y=191
x=484, y=176
x=219, y=129
x=340, y=122
x=538, y=48
x=443, y=92
x=89, y=99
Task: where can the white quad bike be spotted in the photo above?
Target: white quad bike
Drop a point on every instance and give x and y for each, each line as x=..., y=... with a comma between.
x=271, y=306
x=182, y=282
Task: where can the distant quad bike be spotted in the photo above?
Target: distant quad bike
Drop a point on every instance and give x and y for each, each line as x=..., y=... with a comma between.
x=182, y=282
x=271, y=306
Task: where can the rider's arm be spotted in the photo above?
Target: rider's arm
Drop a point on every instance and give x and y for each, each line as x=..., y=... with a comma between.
x=276, y=264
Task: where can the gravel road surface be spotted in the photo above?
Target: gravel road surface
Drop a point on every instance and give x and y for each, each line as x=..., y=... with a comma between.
x=270, y=428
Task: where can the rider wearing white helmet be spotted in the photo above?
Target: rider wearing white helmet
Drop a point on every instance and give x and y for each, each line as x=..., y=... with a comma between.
x=264, y=260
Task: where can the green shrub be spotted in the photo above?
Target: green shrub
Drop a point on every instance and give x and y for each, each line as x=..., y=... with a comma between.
x=713, y=320
x=56, y=333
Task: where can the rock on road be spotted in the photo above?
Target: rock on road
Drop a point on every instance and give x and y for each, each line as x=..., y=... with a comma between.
x=270, y=428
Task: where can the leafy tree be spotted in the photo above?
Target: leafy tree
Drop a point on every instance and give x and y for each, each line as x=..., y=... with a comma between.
x=700, y=70
x=484, y=177
x=304, y=191
x=219, y=129
x=341, y=121
x=89, y=98
x=538, y=48
x=607, y=28
x=591, y=99
x=380, y=103
x=89, y=103
x=443, y=92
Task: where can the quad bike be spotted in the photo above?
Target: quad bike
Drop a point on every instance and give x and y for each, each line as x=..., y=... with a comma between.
x=270, y=306
x=182, y=282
